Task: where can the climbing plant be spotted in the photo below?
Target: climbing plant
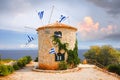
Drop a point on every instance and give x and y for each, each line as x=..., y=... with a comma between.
x=73, y=59
x=61, y=46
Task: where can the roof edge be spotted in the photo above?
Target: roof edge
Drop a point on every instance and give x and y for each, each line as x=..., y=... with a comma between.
x=57, y=25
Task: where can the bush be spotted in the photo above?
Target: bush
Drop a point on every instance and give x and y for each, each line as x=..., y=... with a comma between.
x=105, y=55
x=16, y=67
x=62, y=65
x=20, y=63
x=114, y=68
x=5, y=70
x=36, y=59
x=23, y=61
x=28, y=59
x=10, y=69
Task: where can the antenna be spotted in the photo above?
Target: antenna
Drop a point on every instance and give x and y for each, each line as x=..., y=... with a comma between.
x=51, y=14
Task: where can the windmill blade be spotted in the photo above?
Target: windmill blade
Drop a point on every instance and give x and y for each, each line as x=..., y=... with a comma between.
x=29, y=27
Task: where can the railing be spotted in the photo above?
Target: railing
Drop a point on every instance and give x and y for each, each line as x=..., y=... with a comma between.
x=93, y=61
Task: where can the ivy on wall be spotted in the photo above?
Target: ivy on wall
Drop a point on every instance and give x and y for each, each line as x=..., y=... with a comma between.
x=73, y=59
x=61, y=46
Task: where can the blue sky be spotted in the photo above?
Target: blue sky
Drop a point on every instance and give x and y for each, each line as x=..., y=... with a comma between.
x=97, y=21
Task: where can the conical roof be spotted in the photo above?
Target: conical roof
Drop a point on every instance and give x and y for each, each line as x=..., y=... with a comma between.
x=57, y=25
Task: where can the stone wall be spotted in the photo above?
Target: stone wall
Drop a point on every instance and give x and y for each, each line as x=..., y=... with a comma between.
x=46, y=60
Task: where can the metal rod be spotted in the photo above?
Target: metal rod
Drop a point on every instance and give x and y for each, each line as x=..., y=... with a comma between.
x=51, y=14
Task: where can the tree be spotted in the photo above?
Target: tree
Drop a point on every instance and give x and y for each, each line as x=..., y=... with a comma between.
x=92, y=52
x=104, y=55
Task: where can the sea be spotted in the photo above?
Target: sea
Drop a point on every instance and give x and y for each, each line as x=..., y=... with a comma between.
x=16, y=54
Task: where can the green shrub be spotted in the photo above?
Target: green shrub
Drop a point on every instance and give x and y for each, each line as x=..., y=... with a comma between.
x=7, y=69
x=36, y=59
x=10, y=69
x=28, y=59
x=25, y=60
x=3, y=70
x=21, y=63
x=16, y=67
x=62, y=65
x=114, y=68
x=104, y=55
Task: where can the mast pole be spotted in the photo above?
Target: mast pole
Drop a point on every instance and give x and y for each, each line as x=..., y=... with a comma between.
x=51, y=14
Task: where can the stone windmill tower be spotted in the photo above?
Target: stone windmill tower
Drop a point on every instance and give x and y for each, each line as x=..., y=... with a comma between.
x=66, y=34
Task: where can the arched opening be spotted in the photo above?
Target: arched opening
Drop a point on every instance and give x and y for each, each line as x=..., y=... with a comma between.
x=59, y=57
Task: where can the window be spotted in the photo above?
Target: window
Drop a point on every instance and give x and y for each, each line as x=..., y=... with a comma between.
x=59, y=57
x=58, y=34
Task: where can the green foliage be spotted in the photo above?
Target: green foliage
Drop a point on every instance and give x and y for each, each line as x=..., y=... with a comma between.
x=114, y=68
x=10, y=69
x=23, y=61
x=92, y=53
x=5, y=70
x=62, y=65
x=61, y=46
x=28, y=59
x=73, y=59
x=104, y=55
x=2, y=61
x=16, y=67
x=36, y=59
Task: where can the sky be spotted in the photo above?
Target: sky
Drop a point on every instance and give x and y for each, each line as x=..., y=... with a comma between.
x=97, y=21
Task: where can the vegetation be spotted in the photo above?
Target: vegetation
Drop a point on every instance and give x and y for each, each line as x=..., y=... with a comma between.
x=73, y=59
x=62, y=65
x=5, y=70
x=114, y=68
x=61, y=46
x=36, y=59
x=16, y=67
x=8, y=69
x=3, y=61
x=23, y=61
x=105, y=55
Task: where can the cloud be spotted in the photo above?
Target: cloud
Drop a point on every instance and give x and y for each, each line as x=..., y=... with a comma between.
x=111, y=6
x=14, y=6
x=90, y=30
x=115, y=36
x=28, y=46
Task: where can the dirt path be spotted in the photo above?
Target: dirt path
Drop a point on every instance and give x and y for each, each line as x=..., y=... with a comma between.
x=86, y=73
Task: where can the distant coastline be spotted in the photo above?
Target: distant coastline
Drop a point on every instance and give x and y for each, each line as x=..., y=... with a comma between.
x=16, y=54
